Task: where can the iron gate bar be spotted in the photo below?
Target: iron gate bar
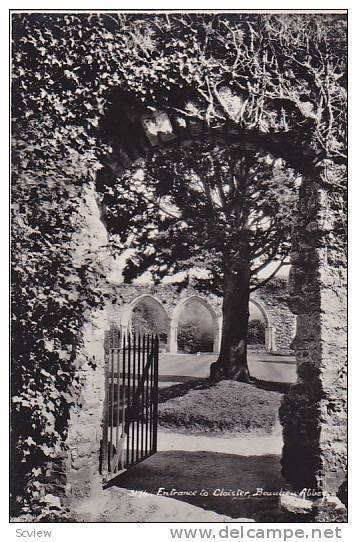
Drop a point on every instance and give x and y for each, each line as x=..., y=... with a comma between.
x=124, y=398
x=118, y=405
x=151, y=397
x=137, y=419
x=133, y=394
x=142, y=398
x=104, y=447
x=156, y=391
x=147, y=403
x=128, y=397
x=112, y=403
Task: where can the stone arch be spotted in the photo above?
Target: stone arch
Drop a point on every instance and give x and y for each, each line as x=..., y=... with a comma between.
x=317, y=404
x=269, y=330
x=175, y=320
x=143, y=129
x=127, y=313
x=160, y=128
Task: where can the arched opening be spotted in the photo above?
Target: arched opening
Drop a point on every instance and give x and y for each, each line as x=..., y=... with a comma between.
x=193, y=342
x=195, y=332
x=149, y=316
x=194, y=327
x=259, y=330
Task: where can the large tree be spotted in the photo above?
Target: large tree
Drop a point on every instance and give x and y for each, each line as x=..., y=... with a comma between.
x=222, y=208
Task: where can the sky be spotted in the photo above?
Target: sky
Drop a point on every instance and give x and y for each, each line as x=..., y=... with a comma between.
x=117, y=275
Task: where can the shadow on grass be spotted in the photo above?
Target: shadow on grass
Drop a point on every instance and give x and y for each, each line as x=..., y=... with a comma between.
x=179, y=390
x=177, y=378
x=279, y=387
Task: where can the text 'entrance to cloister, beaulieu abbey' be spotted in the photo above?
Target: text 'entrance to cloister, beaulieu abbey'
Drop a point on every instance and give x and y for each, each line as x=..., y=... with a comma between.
x=179, y=261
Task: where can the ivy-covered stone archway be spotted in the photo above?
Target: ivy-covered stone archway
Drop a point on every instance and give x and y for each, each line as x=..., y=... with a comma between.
x=69, y=71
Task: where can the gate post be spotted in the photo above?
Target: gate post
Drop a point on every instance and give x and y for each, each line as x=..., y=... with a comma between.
x=82, y=477
x=86, y=416
x=313, y=413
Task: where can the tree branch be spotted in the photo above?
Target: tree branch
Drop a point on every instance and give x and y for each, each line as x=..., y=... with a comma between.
x=265, y=281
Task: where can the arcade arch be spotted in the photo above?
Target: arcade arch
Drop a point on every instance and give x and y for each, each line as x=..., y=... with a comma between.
x=159, y=317
x=216, y=321
x=258, y=311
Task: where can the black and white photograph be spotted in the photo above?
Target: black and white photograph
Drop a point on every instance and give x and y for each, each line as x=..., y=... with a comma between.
x=179, y=269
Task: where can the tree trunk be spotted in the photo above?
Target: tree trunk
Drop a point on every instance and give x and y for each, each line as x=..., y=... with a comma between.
x=232, y=361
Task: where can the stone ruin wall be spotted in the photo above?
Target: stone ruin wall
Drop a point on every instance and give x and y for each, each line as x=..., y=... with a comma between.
x=272, y=298
x=314, y=412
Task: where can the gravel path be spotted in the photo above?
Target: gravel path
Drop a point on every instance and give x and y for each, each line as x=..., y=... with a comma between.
x=247, y=445
x=224, y=483
x=221, y=475
x=118, y=505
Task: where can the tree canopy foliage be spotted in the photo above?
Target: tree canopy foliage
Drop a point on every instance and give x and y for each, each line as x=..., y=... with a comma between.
x=194, y=207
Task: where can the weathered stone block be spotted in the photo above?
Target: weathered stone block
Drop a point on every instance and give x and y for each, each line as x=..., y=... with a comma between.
x=295, y=505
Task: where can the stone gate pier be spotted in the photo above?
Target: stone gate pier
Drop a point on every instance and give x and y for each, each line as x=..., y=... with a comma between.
x=314, y=412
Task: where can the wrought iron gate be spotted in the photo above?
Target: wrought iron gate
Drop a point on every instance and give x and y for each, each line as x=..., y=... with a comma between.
x=131, y=400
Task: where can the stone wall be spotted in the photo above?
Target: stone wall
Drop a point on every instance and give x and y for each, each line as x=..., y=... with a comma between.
x=168, y=295
x=271, y=300
x=274, y=298
x=85, y=426
x=314, y=413
x=78, y=465
x=74, y=474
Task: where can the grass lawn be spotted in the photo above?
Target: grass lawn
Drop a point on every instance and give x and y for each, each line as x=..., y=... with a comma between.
x=226, y=406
